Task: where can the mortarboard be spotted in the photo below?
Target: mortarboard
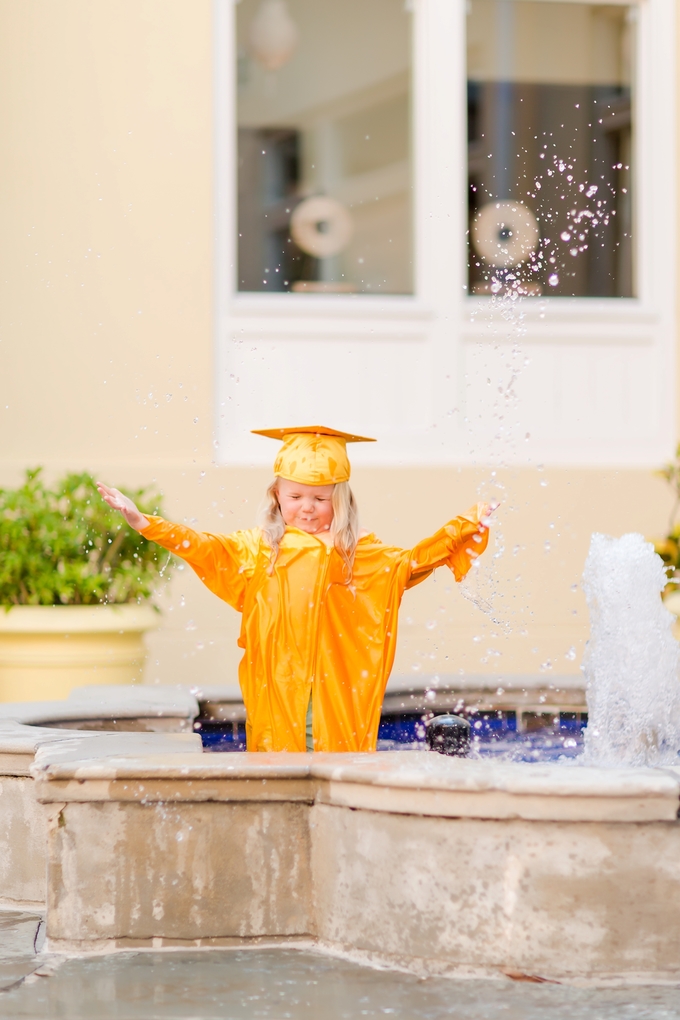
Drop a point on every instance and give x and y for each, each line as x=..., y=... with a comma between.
x=312, y=454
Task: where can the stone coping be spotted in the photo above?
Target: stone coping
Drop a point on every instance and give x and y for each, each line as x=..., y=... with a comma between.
x=403, y=684
x=435, y=771
x=17, y=738
x=84, y=747
x=480, y=789
x=444, y=682
x=143, y=766
x=418, y=783
x=222, y=693
x=402, y=769
x=117, y=701
x=241, y=765
x=20, y=744
x=525, y=694
x=25, y=726
x=173, y=699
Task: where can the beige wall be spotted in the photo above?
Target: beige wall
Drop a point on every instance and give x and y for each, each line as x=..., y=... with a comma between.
x=106, y=343
x=106, y=231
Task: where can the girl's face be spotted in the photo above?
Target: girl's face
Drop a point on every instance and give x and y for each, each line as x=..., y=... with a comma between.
x=307, y=507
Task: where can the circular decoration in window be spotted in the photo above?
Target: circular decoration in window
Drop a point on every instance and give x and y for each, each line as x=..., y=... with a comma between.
x=505, y=233
x=321, y=226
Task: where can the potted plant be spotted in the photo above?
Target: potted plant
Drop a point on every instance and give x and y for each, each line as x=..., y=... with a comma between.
x=668, y=547
x=76, y=586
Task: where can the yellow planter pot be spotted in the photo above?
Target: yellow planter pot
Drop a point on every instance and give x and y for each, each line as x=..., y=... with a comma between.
x=46, y=651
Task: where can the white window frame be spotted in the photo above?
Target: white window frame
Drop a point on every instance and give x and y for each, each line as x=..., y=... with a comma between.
x=457, y=330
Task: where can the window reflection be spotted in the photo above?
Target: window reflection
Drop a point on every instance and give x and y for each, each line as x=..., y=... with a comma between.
x=549, y=147
x=324, y=170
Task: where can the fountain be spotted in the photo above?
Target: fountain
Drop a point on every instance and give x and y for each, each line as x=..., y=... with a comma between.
x=632, y=661
x=415, y=860
x=431, y=863
x=116, y=823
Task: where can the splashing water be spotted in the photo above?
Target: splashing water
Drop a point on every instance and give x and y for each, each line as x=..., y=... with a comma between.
x=632, y=659
x=590, y=207
x=483, y=586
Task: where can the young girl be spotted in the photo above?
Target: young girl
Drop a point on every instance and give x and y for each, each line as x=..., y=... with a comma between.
x=319, y=598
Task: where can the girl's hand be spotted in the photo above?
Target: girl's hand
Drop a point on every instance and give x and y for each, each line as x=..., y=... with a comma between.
x=484, y=511
x=117, y=501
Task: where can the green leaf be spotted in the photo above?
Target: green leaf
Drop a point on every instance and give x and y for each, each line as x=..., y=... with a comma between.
x=66, y=546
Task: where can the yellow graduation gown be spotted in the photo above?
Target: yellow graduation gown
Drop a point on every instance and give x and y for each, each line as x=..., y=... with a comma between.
x=304, y=630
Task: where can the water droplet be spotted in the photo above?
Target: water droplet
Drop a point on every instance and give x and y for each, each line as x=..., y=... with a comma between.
x=553, y=279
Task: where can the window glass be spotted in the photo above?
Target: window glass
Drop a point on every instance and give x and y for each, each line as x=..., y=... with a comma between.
x=550, y=117
x=324, y=168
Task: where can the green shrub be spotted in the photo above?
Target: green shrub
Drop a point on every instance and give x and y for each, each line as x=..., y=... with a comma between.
x=66, y=546
x=668, y=547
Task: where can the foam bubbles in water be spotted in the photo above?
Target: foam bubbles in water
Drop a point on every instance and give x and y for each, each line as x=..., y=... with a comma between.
x=632, y=659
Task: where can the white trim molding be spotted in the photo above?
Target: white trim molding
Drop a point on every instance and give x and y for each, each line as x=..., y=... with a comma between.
x=442, y=378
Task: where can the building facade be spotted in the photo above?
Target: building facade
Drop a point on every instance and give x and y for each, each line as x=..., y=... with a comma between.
x=449, y=226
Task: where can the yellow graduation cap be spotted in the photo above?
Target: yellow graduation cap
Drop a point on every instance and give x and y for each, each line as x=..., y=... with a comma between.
x=312, y=454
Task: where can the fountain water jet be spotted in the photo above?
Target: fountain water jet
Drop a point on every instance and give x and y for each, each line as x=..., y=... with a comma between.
x=632, y=660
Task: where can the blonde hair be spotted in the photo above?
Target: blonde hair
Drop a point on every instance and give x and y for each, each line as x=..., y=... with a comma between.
x=344, y=527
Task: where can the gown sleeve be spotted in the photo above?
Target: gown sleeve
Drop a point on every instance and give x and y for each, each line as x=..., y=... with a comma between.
x=223, y=562
x=456, y=546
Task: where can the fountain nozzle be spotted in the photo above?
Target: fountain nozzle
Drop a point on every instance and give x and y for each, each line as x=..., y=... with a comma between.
x=449, y=734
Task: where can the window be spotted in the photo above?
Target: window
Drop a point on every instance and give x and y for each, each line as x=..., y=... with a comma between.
x=550, y=116
x=392, y=129
x=324, y=169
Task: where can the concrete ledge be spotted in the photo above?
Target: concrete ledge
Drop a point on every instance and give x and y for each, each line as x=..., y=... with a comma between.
x=438, y=865
x=23, y=820
x=500, y=805
x=526, y=695
x=427, y=784
x=556, y=899
x=395, y=782
x=179, y=871
x=109, y=708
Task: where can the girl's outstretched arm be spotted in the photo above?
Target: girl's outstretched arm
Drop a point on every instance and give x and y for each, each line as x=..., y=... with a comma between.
x=223, y=562
x=456, y=545
x=117, y=501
